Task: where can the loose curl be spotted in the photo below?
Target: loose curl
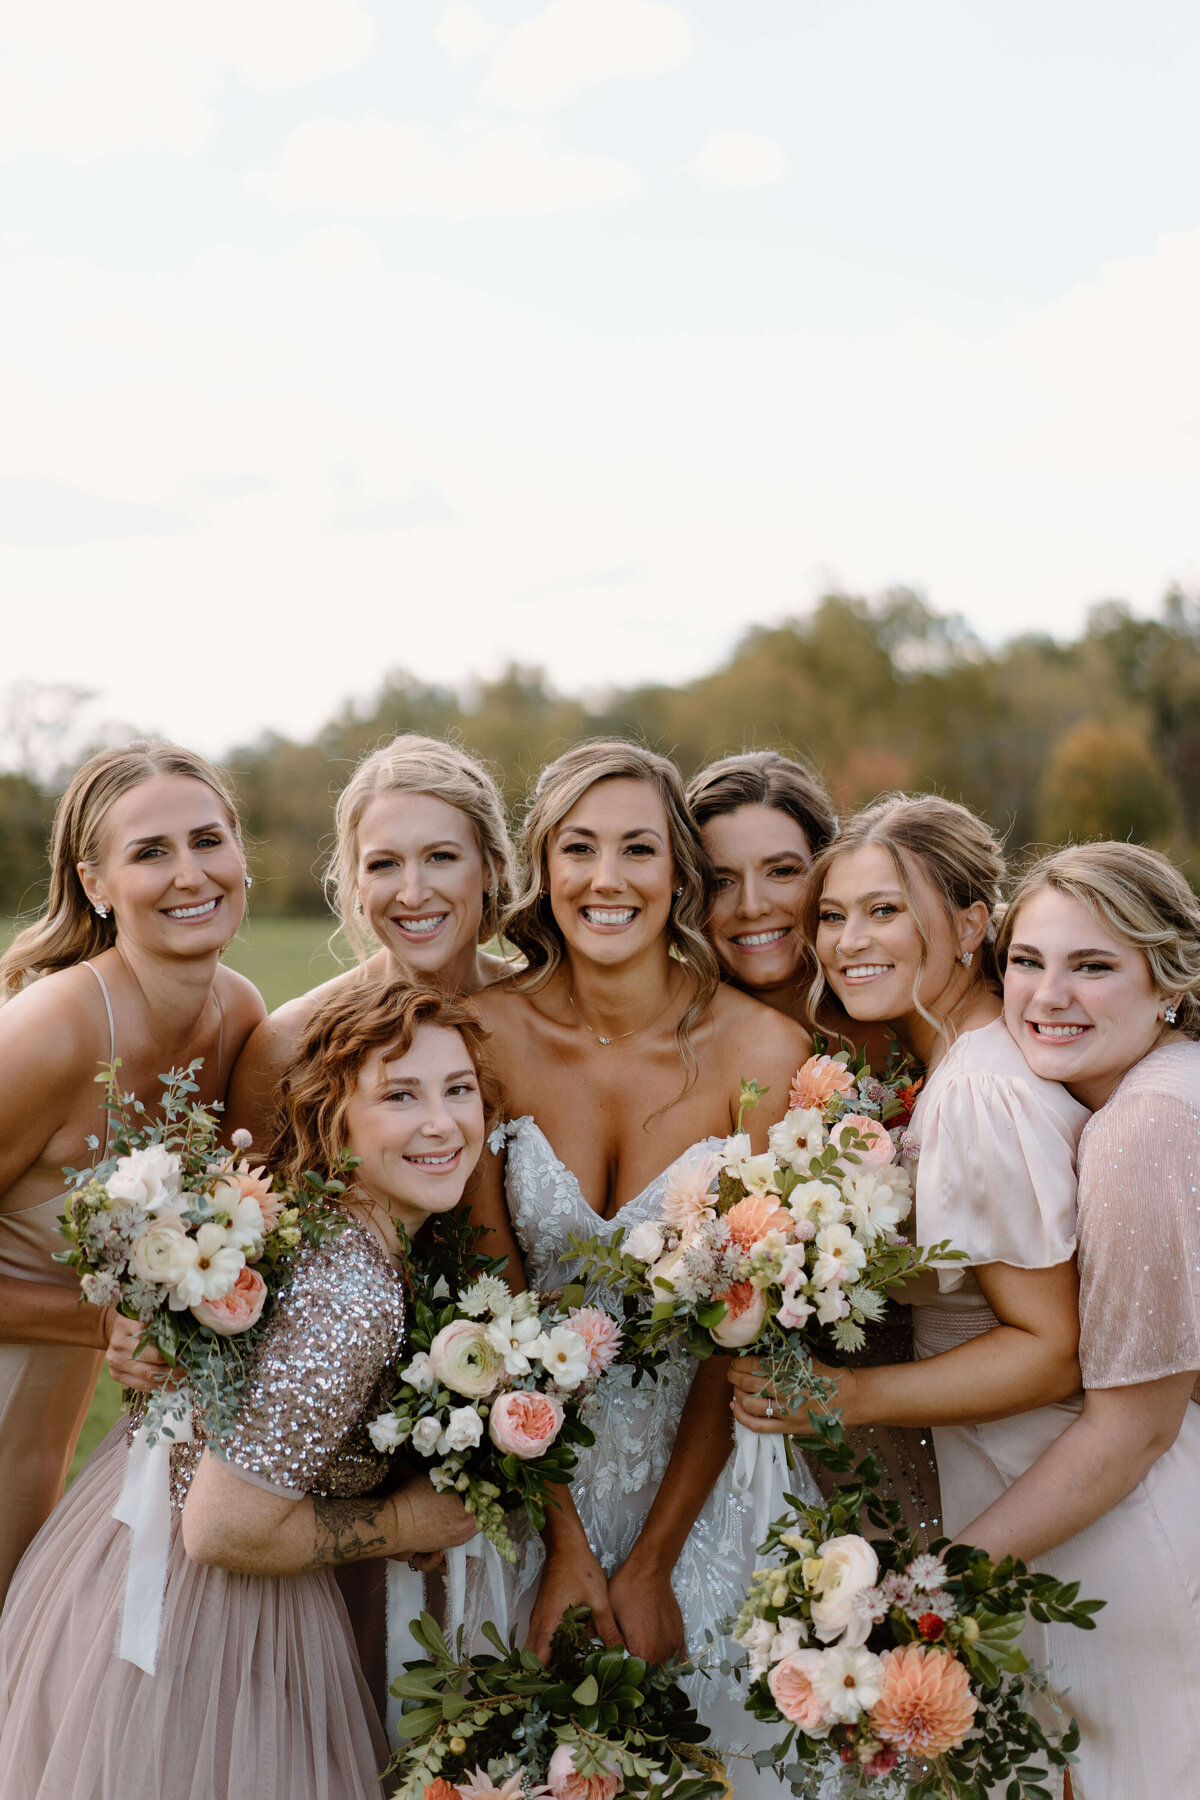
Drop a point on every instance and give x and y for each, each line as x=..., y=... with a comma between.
x=529, y=923
x=69, y=931
x=959, y=855
x=412, y=764
x=350, y=1026
x=1142, y=897
x=764, y=778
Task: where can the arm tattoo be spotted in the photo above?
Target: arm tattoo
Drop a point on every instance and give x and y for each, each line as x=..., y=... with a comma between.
x=348, y=1530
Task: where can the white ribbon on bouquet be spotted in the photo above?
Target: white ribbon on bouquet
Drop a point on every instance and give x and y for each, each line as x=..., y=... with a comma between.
x=760, y=1474
x=145, y=1506
x=456, y=1584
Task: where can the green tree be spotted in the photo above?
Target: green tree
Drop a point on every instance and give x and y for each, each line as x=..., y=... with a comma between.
x=1104, y=781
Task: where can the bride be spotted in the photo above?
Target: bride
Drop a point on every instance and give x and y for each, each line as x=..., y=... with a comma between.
x=622, y=1058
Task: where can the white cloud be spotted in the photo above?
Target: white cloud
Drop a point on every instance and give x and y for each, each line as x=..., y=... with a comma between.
x=377, y=165
x=463, y=32
x=78, y=78
x=739, y=159
x=572, y=45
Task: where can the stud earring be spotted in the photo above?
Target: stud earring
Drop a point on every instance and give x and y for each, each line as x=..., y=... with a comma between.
x=679, y=893
x=968, y=957
x=248, y=878
x=1171, y=1012
x=101, y=908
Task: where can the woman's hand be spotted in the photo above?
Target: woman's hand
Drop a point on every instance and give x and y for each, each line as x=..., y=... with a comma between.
x=429, y=1522
x=647, y=1611
x=143, y=1371
x=756, y=1405
x=572, y=1577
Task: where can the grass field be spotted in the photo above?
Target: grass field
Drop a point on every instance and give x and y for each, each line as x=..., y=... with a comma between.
x=282, y=957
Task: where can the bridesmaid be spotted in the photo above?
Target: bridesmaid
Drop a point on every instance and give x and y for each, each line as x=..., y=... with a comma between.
x=762, y=817
x=1102, y=993
x=622, y=1055
x=900, y=910
x=420, y=873
x=147, y=887
x=257, y=1694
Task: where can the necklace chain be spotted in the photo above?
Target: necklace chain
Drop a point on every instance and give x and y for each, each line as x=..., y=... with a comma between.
x=621, y=1035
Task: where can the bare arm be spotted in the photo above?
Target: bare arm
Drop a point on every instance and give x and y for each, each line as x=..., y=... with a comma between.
x=1117, y=1439
x=254, y=1083
x=1029, y=1359
x=233, y=1523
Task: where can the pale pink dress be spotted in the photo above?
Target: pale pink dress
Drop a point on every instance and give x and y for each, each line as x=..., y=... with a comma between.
x=258, y=1693
x=1135, y=1680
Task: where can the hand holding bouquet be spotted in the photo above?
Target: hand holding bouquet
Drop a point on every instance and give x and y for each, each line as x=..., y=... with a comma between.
x=493, y=1396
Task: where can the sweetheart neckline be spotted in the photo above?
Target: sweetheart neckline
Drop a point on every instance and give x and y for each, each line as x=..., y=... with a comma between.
x=556, y=1159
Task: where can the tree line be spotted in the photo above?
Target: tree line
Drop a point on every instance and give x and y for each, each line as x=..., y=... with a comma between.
x=1098, y=737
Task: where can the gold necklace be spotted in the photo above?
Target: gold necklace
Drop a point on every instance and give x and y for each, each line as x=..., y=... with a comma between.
x=621, y=1035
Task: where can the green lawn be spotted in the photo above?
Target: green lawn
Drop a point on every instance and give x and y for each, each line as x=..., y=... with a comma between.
x=282, y=957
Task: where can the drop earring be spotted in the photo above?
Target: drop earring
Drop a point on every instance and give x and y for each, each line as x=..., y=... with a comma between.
x=967, y=958
x=248, y=878
x=101, y=908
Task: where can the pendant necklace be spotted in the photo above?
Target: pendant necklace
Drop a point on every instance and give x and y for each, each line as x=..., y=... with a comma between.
x=621, y=1035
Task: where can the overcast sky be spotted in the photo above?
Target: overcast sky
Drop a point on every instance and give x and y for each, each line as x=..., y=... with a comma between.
x=342, y=336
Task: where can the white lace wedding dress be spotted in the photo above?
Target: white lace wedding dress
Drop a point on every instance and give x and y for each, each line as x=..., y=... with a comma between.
x=635, y=1433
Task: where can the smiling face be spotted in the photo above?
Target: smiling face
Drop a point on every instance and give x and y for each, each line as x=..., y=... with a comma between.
x=170, y=867
x=1078, y=996
x=416, y=1122
x=761, y=857
x=421, y=877
x=870, y=947
x=610, y=871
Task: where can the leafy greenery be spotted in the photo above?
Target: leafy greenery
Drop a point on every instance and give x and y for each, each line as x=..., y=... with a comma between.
x=507, y=1713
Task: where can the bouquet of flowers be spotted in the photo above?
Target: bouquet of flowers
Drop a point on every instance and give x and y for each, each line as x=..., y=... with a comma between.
x=494, y=1393
x=187, y=1238
x=755, y=1253
x=895, y=1669
x=585, y=1725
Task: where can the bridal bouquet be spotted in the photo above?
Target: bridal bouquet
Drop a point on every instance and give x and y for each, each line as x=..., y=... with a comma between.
x=760, y=1253
x=493, y=1396
x=586, y=1725
x=187, y=1238
x=895, y=1669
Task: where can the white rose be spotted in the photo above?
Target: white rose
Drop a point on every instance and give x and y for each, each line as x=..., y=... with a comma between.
x=757, y=1640
x=386, y=1432
x=464, y=1429
x=163, y=1252
x=645, y=1242
x=425, y=1435
x=148, y=1178
x=790, y=1634
x=848, y=1565
x=419, y=1373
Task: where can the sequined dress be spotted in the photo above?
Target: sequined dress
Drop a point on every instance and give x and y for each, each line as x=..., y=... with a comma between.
x=635, y=1431
x=258, y=1693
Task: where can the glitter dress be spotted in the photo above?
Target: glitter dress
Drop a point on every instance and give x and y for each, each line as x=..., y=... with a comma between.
x=1135, y=1679
x=635, y=1433
x=258, y=1694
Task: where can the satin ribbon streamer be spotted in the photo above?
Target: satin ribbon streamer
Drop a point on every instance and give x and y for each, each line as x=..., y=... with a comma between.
x=760, y=1474
x=405, y=1602
x=145, y=1506
x=456, y=1574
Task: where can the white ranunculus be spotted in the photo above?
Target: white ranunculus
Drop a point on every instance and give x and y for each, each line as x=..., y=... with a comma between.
x=163, y=1251
x=789, y=1635
x=426, y=1434
x=465, y=1360
x=645, y=1242
x=148, y=1178
x=386, y=1432
x=848, y=1682
x=212, y=1274
x=848, y=1565
x=563, y=1354
x=419, y=1373
x=464, y=1429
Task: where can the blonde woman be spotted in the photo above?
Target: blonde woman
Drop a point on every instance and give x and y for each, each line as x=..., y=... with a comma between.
x=147, y=886
x=420, y=873
x=1102, y=992
x=622, y=1058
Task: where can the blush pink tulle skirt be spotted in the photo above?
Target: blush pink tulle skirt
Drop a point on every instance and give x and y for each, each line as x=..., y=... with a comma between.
x=258, y=1694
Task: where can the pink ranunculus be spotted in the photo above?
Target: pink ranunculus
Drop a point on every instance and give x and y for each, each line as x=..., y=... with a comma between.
x=816, y=1082
x=600, y=1333
x=238, y=1310
x=750, y=1219
x=525, y=1424
x=745, y=1316
x=790, y=1682
x=566, y=1783
x=872, y=1144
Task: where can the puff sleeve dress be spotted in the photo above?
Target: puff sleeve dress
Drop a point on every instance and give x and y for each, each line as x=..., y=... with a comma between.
x=257, y=1694
x=1134, y=1682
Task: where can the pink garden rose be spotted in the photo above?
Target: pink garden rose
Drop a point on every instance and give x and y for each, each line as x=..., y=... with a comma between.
x=238, y=1310
x=790, y=1682
x=873, y=1144
x=745, y=1316
x=525, y=1424
x=600, y=1333
x=566, y=1783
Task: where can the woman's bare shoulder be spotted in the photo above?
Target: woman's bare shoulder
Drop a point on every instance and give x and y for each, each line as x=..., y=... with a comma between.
x=53, y=1036
x=740, y=1019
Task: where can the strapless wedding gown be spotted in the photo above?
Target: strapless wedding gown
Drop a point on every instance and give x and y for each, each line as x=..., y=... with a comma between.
x=635, y=1431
